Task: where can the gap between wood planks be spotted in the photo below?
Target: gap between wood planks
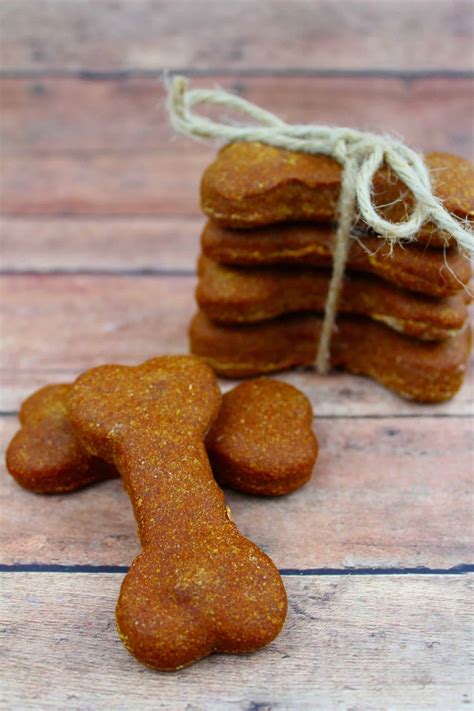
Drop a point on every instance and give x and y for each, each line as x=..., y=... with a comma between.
x=460, y=569
x=387, y=416
x=380, y=642
x=162, y=72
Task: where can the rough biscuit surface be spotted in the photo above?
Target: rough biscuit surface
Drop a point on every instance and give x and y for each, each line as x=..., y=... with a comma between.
x=262, y=442
x=45, y=455
x=421, y=371
x=428, y=271
x=198, y=586
x=234, y=295
x=253, y=184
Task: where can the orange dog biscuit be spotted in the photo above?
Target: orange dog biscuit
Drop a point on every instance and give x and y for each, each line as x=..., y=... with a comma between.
x=45, y=456
x=233, y=295
x=422, y=371
x=262, y=442
x=198, y=586
x=253, y=184
x=428, y=271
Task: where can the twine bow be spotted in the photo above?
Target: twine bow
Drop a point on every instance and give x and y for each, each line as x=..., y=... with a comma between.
x=359, y=153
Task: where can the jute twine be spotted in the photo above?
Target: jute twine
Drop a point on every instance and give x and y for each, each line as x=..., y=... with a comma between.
x=359, y=153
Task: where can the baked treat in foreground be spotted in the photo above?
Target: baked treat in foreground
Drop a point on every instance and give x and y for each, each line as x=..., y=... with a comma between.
x=254, y=184
x=272, y=458
x=428, y=271
x=198, y=586
x=234, y=295
x=417, y=370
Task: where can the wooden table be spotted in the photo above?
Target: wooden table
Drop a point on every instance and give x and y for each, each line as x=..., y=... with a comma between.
x=100, y=234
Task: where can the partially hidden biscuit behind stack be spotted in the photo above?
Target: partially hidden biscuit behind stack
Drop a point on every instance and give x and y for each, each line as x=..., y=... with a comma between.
x=417, y=370
x=428, y=271
x=232, y=295
x=198, y=586
x=253, y=184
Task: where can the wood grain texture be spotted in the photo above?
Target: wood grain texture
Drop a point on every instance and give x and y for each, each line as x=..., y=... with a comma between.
x=333, y=396
x=93, y=180
x=100, y=245
x=126, y=115
x=103, y=184
x=385, y=493
x=73, y=322
x=349, y=642
x=58, y=325
x=105, y=149
x=151, y=34
x=116, y=245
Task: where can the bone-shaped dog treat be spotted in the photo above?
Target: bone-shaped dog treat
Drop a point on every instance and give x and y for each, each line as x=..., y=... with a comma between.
x=232, y=295
x=413, y=267
x=252, y=184
x=46, y=457
x=263, y=442
x=418, y=370
x=198, y=586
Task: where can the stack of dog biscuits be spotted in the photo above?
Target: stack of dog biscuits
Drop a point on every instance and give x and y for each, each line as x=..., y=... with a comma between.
x=265, y=269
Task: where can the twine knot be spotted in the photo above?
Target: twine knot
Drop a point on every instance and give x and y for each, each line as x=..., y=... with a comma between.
x=360, y=154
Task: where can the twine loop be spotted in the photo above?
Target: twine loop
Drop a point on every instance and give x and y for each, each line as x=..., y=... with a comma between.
x=360, y=154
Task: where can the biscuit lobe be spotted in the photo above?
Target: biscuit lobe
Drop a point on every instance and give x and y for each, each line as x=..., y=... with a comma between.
x=45, y=455
x=263, y=442
x=198, y=586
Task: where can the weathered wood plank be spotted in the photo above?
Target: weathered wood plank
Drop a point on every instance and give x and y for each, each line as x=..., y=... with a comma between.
x=71, y=322
x=360, y=643
x=69, y=115
x=335, y=395
x=274, y=34
x=115, y=245
x=385, y=493
x=88, y=168
x=94, y=244
x=57, y=325
x=104, y=184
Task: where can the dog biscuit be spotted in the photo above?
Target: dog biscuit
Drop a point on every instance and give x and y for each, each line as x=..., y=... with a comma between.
x=198, y=586
x=233, y=295
x=428, y=271
x=253, y=184
x=49, y=459
x=422, y=371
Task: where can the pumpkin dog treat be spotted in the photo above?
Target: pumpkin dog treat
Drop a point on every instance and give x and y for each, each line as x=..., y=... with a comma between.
x=198, y=586
x=253, y=184
x=45, y=456
x=233, y=295
x=262, y=442
x=426, y=372
x=414, y=267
